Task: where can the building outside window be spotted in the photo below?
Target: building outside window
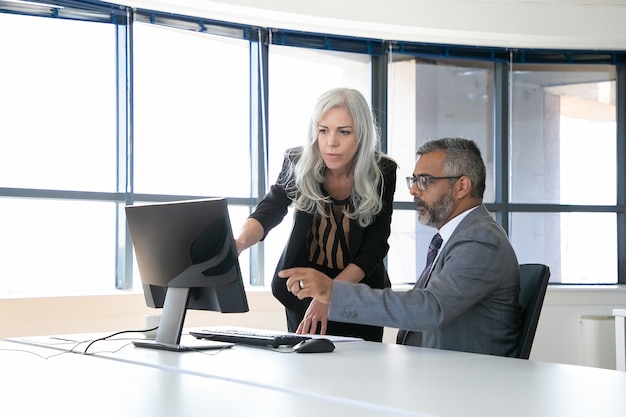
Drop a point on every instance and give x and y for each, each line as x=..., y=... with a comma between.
x=552, y=176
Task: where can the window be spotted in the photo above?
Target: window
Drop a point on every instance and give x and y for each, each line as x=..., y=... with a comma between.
x=548, y=124
x=297, y=77
x=191, y=117
x=430, y=99
x=57, y=87
x=579, y=247
x=191, y=113
x=57, y=141
x=564, y=152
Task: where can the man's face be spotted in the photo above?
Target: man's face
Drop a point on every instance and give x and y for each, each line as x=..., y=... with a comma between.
x=435, y=204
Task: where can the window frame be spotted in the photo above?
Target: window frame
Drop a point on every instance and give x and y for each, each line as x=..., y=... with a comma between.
x=379, y=50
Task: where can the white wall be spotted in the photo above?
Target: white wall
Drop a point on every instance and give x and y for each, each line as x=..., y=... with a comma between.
x=120, y=311
x=557, y=338
x=565, y=24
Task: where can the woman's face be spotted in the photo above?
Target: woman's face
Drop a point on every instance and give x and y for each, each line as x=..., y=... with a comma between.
x=336, y=139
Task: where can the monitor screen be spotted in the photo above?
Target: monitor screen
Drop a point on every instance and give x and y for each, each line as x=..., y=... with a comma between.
x=187, y=259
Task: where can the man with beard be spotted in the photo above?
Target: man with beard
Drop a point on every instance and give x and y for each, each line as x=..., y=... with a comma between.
x=467, y=300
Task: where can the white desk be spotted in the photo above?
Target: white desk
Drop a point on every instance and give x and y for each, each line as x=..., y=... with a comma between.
x=620, y=338
x=78, y=385
x=391, y=379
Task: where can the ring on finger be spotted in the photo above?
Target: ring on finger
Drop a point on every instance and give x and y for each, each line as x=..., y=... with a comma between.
x=301, y=284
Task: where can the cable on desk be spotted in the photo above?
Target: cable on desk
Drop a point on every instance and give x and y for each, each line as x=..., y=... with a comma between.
x=116, y=334
x=34, y=353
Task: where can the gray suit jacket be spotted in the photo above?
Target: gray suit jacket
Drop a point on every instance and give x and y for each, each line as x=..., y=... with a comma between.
x=469, y=304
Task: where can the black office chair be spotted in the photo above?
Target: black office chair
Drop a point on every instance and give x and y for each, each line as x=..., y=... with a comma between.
x=533, y=283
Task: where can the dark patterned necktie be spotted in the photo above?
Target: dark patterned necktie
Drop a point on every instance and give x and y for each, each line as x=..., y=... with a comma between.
x=433, y=248
x=413, y=338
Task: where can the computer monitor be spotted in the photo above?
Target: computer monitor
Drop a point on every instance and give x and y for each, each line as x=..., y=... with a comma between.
x=187, y=259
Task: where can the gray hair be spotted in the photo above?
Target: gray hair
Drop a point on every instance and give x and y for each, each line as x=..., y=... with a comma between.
x=308, y=172
x=462, y=158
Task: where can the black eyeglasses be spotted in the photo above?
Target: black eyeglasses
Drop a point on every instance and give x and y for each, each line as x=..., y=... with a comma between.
x=422, y=181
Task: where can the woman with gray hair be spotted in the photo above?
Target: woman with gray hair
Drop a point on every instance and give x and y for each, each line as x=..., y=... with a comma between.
x=342, y=188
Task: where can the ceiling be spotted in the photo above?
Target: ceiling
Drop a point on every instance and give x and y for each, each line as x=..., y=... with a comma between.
x=559, y=2
x=547, y=24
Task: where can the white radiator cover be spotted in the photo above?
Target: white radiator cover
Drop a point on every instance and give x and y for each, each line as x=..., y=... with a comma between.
x=596, y=341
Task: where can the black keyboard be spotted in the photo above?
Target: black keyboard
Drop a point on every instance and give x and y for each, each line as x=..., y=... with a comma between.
x=250, y=337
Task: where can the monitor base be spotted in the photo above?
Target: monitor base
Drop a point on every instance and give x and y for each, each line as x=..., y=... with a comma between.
x=187, y=346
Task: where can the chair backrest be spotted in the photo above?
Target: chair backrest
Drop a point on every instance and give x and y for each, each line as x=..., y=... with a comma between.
x=533, y=283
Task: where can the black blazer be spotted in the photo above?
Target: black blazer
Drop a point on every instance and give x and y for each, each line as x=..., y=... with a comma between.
x=368, y=246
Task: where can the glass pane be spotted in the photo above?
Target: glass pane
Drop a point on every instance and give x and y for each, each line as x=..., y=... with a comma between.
x=430, y=99
x=408, y=246
x=56, y=246
x=401, y=259
x=310, y=72
x=579, y=248
x=274, y=245
x=238, y=215
x=192, y=113
x=563, y=135
x=57, y=104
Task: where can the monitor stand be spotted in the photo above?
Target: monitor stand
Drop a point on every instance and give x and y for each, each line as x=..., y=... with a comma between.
x=171, y=326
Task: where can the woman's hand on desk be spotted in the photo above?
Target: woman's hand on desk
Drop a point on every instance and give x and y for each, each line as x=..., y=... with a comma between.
x=316, y=315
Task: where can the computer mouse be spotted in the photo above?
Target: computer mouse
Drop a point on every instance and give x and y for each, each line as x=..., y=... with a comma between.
x=314, y=345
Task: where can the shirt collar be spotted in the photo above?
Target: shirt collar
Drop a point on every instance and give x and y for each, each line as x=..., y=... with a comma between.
x=449, y=228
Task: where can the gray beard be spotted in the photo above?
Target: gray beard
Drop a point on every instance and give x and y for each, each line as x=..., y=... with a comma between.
x=438, y=214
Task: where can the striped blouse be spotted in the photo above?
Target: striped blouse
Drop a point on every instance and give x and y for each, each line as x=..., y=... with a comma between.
x=327, y=241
